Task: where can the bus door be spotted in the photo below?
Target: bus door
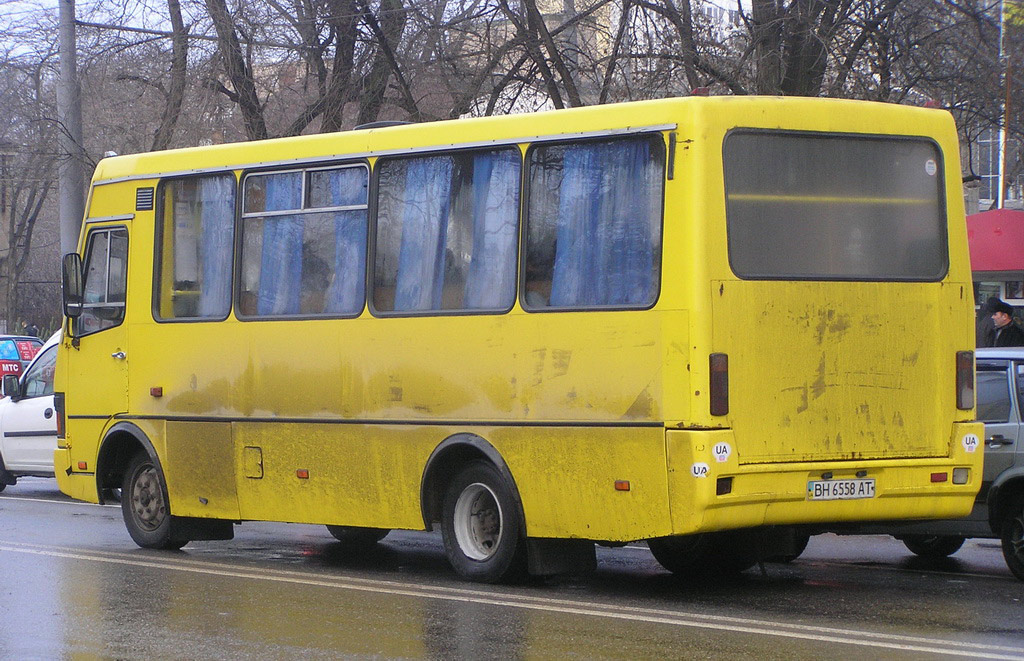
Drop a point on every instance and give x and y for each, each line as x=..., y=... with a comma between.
x=98, y=386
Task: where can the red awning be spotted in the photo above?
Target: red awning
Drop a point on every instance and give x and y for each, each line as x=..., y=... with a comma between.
x=996, y=240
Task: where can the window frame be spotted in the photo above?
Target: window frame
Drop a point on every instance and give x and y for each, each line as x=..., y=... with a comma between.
x=371, y=265
x=837, y=135
x=30, y=370
x=91, y=235
x=241, y=216
x=158, y=236
x=525, y=222
x=1007, y=369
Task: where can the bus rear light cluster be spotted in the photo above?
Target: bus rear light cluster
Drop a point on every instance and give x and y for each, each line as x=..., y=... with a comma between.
x=719, y=385
x=940, y=477
x=58, y=407
x=961, y=475
x=965, y=380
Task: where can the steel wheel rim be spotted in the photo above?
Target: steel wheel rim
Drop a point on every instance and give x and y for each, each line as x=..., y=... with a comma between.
x=478, y=522
x=147, y=499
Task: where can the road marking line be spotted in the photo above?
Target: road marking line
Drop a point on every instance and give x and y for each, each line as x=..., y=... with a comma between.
x=634, y=614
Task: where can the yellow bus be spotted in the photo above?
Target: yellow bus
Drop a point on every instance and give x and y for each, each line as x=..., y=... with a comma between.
x=696, y=322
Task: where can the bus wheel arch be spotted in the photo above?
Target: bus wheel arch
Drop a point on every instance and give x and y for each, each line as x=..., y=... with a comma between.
x=446, y=461
x=122, y=442
x=468, y=487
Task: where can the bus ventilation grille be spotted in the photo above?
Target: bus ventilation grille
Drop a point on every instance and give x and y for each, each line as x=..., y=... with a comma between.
x=143, y=199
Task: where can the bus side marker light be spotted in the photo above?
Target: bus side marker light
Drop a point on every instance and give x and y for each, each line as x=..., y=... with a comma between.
x=156, y=391
x=622, y=485
x=82, y=465
x=961, y=475
x=940, y=477
x=302, y=474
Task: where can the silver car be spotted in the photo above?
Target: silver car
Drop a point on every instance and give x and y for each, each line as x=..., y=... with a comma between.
x=999, y=509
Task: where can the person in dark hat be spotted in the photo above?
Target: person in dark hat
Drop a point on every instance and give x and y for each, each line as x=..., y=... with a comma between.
x=1008, y=334
x=984, y=327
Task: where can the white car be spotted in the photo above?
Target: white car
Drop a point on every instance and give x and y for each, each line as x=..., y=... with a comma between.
x=28, y=423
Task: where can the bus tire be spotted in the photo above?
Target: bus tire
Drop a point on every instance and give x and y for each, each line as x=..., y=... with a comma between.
x=1012, y=538
x=934, y=547
x=799, y=546
x=481, y=526
x=354, y=537
x=685, y=554
x=144, y=505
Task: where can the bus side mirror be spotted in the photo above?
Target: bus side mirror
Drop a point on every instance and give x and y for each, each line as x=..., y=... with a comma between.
x=71, y=282
x=12, y=387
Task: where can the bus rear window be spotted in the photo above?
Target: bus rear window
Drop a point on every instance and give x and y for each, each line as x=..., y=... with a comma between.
x=834, y=207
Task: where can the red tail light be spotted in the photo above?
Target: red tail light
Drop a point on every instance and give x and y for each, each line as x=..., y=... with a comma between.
x=719, y=384
x=965, y=380
x=58, y=407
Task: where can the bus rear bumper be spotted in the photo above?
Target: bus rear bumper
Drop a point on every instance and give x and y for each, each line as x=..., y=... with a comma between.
x=710, y=490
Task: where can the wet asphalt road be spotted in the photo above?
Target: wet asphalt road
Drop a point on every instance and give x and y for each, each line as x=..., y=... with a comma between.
x=74, y=586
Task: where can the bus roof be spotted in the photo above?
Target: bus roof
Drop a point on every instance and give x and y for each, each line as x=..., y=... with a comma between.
x=660, y=114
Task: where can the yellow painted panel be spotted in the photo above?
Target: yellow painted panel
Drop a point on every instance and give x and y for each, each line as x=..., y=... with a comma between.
x=566, y=479
x=840, y=370
x=200, y=469
x=358, y=475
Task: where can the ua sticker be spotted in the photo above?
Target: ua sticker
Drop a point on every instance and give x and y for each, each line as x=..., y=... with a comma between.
x=971, y=442
x=721, y=451
x=700, y=469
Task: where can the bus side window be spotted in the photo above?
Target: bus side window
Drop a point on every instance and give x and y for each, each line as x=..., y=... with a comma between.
x=196, y=239
x=304, y=242
x=593, y=228
x=447, y=226
x=106, y=259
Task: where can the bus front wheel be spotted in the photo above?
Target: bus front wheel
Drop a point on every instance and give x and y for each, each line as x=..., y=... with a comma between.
x=480, y=524
x=144, y=505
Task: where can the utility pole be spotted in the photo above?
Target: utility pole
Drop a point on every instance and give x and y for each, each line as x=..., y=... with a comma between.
x=71, y=179
x=6, y=213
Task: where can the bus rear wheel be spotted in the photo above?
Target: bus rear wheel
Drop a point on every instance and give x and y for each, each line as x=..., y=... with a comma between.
x=354, y=537
x=687, y=554
x=144, y=505
x=481, y=526
x=933, y=546
x=706, y=553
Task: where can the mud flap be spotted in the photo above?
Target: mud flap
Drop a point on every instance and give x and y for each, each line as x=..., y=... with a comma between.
x=201, y=530
x=546, y=557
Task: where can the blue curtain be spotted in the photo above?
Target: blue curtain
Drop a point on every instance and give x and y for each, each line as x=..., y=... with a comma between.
x=604, y=244
x=281, y=258
x=348, y=284
x=491, y=281
x=217, y=224
x=424, y=212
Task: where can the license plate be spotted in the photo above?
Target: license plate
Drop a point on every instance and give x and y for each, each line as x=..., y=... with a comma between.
x=840, y=489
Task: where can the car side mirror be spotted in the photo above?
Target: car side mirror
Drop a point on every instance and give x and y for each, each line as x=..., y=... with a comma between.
x=71, y=285
x=12, y=387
